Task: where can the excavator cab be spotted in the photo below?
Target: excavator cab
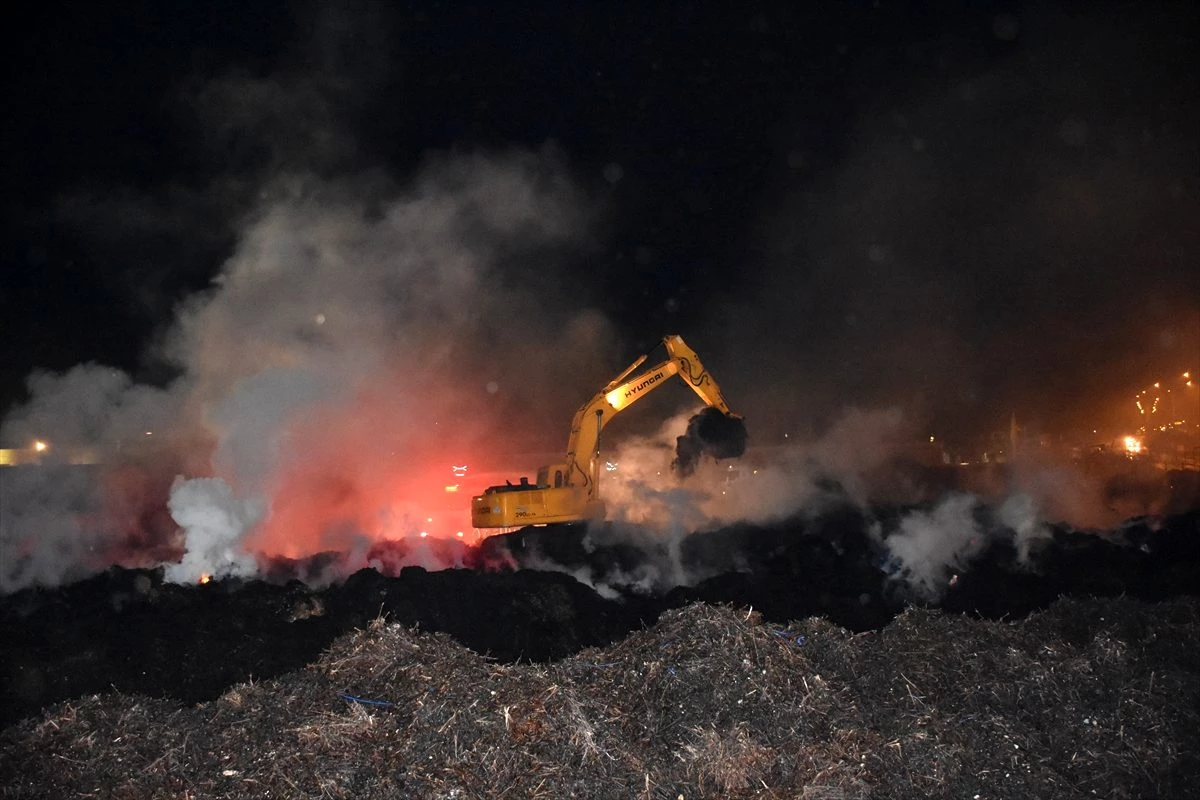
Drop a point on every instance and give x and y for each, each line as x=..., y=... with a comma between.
x=552, y=476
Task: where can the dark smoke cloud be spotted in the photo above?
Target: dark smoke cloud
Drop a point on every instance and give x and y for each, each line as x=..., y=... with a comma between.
x=1010, y=237
x=236, y=131
x=306, y=113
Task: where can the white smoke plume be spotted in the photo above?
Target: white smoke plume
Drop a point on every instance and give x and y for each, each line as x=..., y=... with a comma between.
x=847, y=463
x=860, y=461
x=1020, y=513
x=348, y=353
x=653, y=509
x=930, y=545
x=214, y=521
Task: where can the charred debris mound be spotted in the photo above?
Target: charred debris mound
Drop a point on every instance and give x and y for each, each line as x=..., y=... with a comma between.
x=543, y=594
x=1097, y=698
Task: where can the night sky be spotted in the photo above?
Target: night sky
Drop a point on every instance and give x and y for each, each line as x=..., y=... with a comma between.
x=964, y=209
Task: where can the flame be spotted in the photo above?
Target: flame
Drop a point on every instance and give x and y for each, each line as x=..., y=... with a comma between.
x=1133, y=445
x=205, y=578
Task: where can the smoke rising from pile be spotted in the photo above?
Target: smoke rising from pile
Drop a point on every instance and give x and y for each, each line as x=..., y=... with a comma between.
x=654, y=507
x=215, y=521
x=928, y=545
x=339, y=365
x=768, y=484
x=863, y=461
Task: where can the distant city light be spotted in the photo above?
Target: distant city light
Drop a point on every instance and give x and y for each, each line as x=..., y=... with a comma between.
x=40, y=446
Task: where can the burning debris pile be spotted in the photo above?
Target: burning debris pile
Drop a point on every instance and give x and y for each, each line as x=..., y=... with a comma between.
x=1082, y=698
x=130, y=631
x=861, y=567
x=550, y=592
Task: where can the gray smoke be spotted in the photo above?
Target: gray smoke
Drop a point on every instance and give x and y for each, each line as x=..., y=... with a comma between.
x=214, y=521
x=930, y=546
x=365, y=331
x=1020, y=513
x=772, y=482
x=342, y=353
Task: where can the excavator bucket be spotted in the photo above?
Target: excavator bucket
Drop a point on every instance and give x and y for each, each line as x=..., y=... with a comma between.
x=710, y=432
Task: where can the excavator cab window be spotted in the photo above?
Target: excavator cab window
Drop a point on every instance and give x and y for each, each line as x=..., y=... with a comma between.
x=558, y=479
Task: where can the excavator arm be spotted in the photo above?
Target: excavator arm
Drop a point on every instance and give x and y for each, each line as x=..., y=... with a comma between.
x=622, y=392
x=568, y=492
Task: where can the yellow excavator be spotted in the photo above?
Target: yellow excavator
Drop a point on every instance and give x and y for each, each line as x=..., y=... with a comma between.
x=568, y=491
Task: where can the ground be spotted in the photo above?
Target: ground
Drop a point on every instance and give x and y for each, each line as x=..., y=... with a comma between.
x=801, y=671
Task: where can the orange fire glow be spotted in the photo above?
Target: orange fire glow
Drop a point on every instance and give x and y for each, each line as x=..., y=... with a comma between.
x=1133, y=445
x=358, y=474
x=205, y=578
x=370, y=471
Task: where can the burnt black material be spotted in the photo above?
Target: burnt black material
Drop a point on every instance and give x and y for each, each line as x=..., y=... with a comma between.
x=710, y=433
x=128, y=630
